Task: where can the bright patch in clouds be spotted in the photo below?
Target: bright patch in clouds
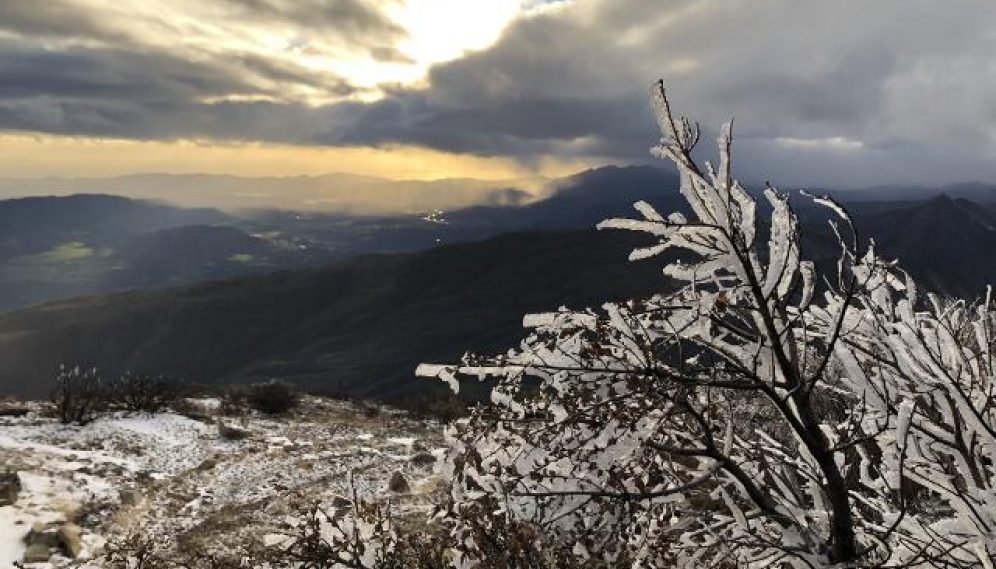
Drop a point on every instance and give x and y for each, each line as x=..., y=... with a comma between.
x=829, y=143
x=435, y=31
x=363, y=43
x=442, y=30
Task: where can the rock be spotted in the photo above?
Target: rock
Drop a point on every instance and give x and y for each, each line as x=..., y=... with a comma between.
x=42, y=535
x=232, y=432
x=398, y=483
x=131, y=497
x=70, y=540
x=10, y=488
x=36, y=553
x=423, y=459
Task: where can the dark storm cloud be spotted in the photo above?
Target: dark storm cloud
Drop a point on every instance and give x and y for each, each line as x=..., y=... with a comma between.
x=107, y=74
x=844, y=92
x=540, y=89
x=506, y=128
x=164, y=119
x=120, y=93
x=66, y=68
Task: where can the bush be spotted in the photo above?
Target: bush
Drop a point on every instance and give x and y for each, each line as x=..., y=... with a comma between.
x=234, y=401
x=445, y=408
x=77, y=397
x=273, y=397
x=142, y=393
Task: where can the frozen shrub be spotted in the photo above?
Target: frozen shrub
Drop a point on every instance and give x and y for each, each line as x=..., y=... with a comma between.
x=77, y=397
x=761, y=411
x=133, y=392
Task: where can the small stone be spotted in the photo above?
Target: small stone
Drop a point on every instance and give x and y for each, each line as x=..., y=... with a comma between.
x=131, y=497
x=398, y=483
x=42, y=535
x=232, y=432
x=10, y=488
x=36, y=553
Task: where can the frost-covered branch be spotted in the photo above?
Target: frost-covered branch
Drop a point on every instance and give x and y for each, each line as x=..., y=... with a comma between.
x=757, y=411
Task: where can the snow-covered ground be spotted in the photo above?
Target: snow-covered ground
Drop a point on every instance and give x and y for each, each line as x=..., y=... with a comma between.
x=178, y=478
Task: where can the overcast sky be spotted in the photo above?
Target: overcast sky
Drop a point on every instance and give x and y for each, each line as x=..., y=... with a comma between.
x=841, y=93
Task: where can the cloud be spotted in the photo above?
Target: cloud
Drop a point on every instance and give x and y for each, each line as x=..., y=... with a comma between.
x=52, y=19
x=355, y=19
x=846, y=92
x=241, y=70
x=907, y=83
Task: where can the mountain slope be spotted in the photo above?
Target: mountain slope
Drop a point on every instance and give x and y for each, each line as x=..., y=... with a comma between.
x=35, y=225
x=948, y=244
x=359, y=326
x=582, y=200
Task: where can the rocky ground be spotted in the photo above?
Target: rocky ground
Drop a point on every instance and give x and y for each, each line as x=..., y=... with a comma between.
x=198, y=481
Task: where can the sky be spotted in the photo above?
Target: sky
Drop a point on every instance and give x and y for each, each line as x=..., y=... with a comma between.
x=843, y=94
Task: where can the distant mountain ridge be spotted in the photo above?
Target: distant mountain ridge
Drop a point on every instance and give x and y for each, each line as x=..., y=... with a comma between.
x=53, y=247
x=360, y=325
x=342, y=193
x=948, y=243
x=584, y=199
x=974, y=191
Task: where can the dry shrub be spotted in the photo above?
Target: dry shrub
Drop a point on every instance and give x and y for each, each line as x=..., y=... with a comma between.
x=273, y=397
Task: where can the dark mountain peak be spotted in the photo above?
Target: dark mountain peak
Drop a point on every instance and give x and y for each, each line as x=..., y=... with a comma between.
x=948, y=243
x=613, y=178
x=945, y=212
x=584, y=199
x=940, y=200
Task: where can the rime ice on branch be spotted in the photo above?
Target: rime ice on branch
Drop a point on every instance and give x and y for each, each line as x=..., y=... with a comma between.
x=762, y=413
